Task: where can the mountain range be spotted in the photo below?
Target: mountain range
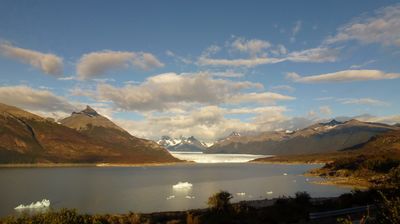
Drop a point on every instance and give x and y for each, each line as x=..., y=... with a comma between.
x=182, y=144
x=84, y=137
x=318, y=138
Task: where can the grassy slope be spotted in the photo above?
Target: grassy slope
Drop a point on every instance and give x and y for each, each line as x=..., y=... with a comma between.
x=363, y=164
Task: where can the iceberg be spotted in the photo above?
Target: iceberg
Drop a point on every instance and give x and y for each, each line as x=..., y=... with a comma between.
x=182, y=186
x=170, y=197
x=34, y=205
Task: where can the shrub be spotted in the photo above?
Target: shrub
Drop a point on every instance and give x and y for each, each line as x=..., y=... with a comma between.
x=388, y=210
x=220, y=201
x=302, y=197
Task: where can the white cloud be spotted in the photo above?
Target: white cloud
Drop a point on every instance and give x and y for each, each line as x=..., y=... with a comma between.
x=389, y=119
x=319, y=54
x=35, y=99
x=363, y=64
x=295, y=30
x=265, y=97
x=259, y=51
x=178, y=58
x=251, y=62
x=97, y=63
x=343, y=76
x=279, y=50
x=227, y=74
x=286, y=88
x=48, y=63
x=206, y=123
x=252, y=47
x=382, y=28
x=170, y=90
x=67, y=78
x=325, y=110
x=364, y=101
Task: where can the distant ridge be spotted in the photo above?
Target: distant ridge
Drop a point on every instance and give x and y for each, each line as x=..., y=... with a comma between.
x=28, y=138
x=318, y=138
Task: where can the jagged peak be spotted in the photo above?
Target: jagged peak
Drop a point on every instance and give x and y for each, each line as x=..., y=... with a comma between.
x=88, y=111
x=333, y=122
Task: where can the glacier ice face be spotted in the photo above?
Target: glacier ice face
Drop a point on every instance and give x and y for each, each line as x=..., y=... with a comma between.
x=216, y=158
x=34, y=205
x=182, y=186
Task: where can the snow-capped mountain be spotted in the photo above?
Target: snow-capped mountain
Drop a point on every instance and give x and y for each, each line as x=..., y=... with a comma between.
x=184, y=144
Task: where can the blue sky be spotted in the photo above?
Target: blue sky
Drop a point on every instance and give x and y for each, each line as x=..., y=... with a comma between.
x=203, y=68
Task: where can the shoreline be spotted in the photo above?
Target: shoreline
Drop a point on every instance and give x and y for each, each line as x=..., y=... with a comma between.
x=346, y=182
x=287, y=162
x=66, y=165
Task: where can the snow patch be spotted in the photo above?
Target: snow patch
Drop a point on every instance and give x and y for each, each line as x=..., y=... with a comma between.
x=34, y=205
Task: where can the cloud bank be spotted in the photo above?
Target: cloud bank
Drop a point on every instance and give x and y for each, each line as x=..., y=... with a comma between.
x=48, y=63
x=171, y=91
x=94, y=64
x=382, y=28
x=34, y=99
x=343, y=76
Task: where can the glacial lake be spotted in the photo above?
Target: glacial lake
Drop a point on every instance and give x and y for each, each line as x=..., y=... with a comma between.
x=151, y=189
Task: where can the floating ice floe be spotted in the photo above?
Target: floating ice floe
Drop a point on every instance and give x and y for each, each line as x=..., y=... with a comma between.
x=183, y=186
x=241, y=194
x=190, y=197
x=39, y=204
x=170, y=197
x=270, y=192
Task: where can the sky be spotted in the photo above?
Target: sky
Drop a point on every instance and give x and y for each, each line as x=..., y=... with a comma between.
x=203, y=68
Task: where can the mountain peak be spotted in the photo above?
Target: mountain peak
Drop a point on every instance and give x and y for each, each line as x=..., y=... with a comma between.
x=333, y=122
x=88, y=117
x=89, y=111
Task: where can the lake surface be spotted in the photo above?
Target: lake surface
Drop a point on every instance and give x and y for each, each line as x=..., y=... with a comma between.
x=150, y=189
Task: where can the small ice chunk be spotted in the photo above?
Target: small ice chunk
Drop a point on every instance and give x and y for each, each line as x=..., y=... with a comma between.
x=241, y=194
x=184, y=186
x=170, y=197
x=39, y=204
